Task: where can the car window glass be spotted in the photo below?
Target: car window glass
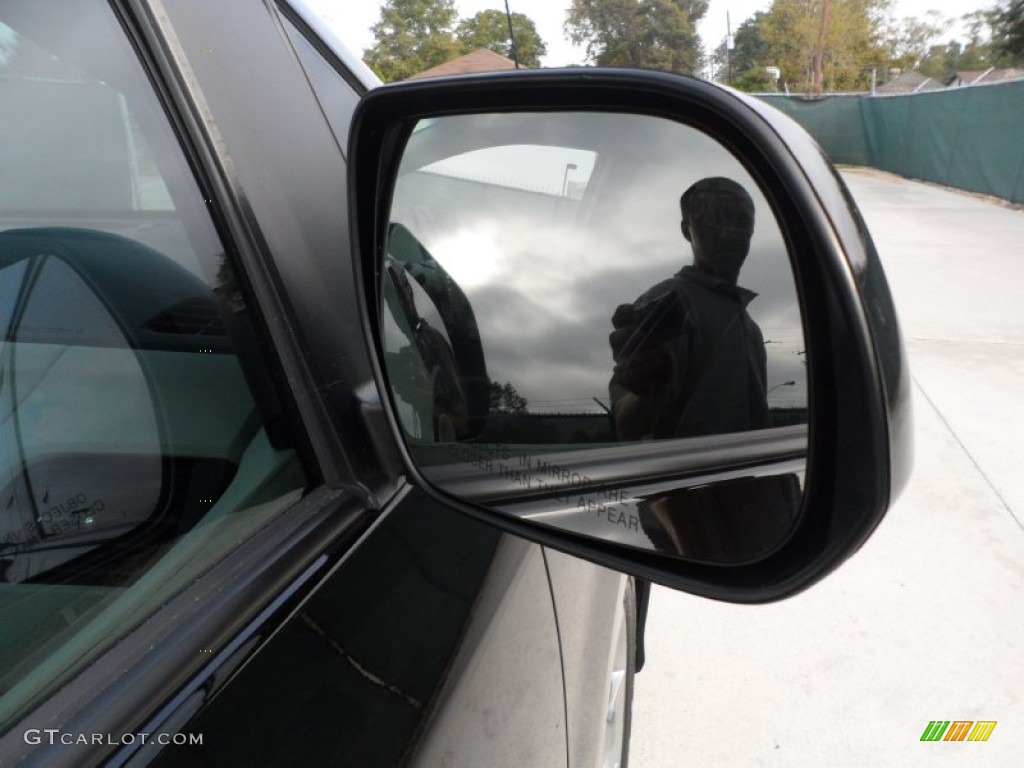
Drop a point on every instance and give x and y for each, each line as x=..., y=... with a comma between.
x=133, y=452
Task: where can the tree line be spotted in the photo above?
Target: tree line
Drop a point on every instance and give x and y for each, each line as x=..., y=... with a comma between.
x=847, y=45
x=801, y=45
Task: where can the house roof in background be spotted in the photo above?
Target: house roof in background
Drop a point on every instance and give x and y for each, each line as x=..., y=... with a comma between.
x=915, y=82
x=480, y=60
x=987, y=76
x=909, y=82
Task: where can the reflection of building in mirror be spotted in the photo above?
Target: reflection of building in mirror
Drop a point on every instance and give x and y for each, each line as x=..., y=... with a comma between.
x=562, y=171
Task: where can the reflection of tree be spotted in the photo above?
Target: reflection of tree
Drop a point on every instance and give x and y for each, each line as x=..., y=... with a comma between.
x=227, y=285
x=648, y=34
x=489, y=29
x=505, y=399
x=1009, y=31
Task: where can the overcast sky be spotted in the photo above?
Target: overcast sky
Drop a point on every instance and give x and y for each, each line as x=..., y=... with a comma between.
x=353, y=19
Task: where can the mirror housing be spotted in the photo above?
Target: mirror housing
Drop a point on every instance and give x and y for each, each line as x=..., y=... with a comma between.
x=859, y=442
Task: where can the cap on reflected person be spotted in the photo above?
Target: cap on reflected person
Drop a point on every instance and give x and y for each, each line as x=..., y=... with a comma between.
x=718, y=200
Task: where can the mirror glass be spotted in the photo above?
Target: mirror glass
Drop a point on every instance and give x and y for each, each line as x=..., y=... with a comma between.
x=590, y=319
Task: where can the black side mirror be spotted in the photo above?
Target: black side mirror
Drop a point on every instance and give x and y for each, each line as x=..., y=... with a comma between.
x=727, y=414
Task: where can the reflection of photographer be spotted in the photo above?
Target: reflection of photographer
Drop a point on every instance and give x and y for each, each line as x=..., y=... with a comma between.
x=689, y=360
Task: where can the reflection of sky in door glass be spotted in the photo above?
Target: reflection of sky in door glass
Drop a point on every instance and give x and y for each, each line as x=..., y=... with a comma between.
x=544, y=272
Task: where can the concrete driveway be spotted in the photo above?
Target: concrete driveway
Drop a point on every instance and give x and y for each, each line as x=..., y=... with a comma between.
x=927, y=621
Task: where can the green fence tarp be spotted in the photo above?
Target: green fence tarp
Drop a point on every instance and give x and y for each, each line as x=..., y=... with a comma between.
x=971, y=138
x=836, y=122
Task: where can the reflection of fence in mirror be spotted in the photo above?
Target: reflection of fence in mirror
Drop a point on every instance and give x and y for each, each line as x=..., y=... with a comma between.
x=628, y=280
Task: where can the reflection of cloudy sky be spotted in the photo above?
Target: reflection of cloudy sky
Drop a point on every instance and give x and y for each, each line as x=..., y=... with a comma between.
x=544, y=272
x=8, y=43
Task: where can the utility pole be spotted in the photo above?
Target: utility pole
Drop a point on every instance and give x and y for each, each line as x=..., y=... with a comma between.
x=728, y=49
x=511, y=36
x=818, y=75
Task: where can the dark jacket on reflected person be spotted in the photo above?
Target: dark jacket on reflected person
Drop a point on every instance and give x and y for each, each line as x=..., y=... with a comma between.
x=713, y=376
